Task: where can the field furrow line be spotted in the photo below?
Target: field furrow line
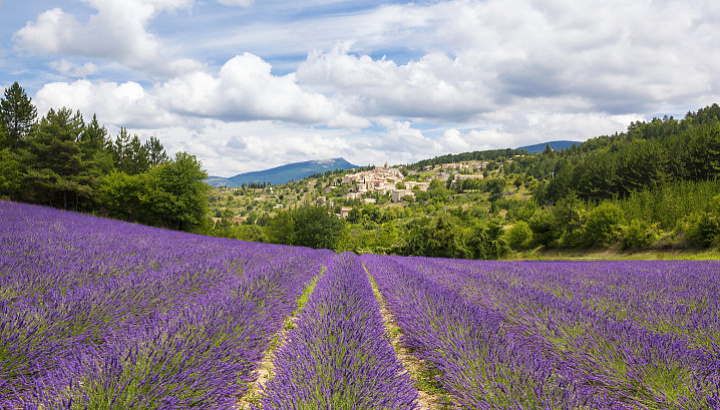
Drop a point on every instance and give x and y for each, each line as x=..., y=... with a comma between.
x=426, y=400
x=266, y=367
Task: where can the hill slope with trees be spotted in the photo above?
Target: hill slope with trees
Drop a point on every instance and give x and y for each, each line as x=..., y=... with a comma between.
x=653, y=187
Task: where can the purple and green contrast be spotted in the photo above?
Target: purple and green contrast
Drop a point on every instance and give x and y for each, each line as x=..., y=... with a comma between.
x=560, y=335
x=108, y=315
x=102, y=314
x=338, y=356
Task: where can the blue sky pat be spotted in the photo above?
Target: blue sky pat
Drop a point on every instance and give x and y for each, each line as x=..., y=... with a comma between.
x=247, y=85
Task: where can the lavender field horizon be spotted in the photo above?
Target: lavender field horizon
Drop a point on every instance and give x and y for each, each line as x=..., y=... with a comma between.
x=104, y=314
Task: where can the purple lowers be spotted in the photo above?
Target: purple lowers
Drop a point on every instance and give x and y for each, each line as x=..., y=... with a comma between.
x=560, y=335
x=101, y=314
x=338, y=356
x=106, y=315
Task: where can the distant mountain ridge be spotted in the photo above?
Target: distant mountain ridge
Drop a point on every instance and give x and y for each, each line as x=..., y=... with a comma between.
x=300, y=170
x=283, y=174
x=554, y=145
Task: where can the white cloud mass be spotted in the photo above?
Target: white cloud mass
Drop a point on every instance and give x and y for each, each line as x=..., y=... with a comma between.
x=126, y=104
x=239, y=3
x=400, y=82
x=118, y=31
x=71, y=70
x=245, y=89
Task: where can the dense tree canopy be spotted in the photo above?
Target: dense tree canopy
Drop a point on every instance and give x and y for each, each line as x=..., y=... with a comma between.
x=63, y=162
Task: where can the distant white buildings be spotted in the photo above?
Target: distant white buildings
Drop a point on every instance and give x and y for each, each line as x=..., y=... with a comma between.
x=377, y=180
x=460, y=177
x=344, y=212
x=381, y=179
x=423, y=186
x=398, y=194
x=385, y=180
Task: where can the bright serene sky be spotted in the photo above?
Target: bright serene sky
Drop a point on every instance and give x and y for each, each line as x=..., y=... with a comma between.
x=250, y=84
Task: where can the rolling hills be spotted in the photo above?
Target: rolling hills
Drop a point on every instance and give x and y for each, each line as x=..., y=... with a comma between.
x=282, y=174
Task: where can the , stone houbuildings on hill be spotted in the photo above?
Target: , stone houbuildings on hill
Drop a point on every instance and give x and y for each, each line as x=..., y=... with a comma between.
x=381, y=179
x=377, y=180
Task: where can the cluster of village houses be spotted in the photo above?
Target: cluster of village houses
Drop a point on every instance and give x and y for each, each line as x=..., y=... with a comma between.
x=385, y=179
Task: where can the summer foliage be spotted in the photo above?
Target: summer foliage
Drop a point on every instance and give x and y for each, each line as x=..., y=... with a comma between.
x=654, y=187
x=62, y=161
x=103, y=314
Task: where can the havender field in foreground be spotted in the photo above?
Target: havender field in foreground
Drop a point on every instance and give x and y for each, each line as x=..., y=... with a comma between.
x=101, y=314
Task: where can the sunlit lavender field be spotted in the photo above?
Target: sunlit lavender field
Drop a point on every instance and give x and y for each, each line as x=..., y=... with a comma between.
x=101, y=314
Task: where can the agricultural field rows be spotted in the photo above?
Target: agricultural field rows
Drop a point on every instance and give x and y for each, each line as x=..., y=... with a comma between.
x=101, y=314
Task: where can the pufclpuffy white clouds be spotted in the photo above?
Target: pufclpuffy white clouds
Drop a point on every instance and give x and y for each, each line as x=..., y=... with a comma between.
x=486, y=55
x=400, y=137
x=118, y=31
x=237, y=3
x=126, y=104
x=245, y=89
x=72, y=70
x=458, y=75
x=433, y=87
x=617, y=54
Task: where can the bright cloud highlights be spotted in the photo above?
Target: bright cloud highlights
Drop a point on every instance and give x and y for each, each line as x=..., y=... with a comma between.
x=126, y=104
x=71, y=70
x=118, y=32
x=373, y=83
x=245, y=89
x=433, y=87
x=240, y=3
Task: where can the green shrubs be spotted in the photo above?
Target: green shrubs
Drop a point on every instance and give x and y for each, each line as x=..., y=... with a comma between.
x=544, y=231
x=520, y=235
x=638, y=235
x=603, y=225
x=702, y=230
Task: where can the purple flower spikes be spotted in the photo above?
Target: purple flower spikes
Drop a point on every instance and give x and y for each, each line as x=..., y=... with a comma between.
x=338, y=356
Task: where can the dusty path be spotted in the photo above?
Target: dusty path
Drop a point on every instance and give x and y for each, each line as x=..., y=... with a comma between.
x=426, y=400
x=266, y=368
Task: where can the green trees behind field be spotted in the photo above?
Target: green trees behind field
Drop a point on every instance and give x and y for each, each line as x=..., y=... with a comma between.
x=312, y=226
x=62, y=161
x=648, y=156
x=654, y=186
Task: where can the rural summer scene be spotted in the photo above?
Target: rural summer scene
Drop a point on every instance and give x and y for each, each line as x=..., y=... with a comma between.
x=347, y=205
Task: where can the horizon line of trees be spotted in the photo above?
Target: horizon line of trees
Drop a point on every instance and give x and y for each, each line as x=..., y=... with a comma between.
x=653, y=187
x=61, y=161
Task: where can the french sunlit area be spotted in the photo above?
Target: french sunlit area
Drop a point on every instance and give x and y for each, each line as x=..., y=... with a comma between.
x=348, y=205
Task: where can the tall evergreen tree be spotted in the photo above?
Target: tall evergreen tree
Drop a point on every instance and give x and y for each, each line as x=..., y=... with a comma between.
x=120, y=149
x=155, y=152
x=54, y=161
x=17, y=115
x=94, y=138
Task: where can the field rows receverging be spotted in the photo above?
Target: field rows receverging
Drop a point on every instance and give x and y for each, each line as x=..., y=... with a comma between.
x=102, y=314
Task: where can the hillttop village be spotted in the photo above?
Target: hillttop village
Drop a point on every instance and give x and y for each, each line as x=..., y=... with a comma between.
x=394, y=184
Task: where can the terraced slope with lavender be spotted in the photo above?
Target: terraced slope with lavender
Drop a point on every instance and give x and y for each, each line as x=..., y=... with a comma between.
x=101, y=314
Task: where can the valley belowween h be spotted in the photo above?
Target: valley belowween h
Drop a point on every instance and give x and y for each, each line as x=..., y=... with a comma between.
x=101, y=314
